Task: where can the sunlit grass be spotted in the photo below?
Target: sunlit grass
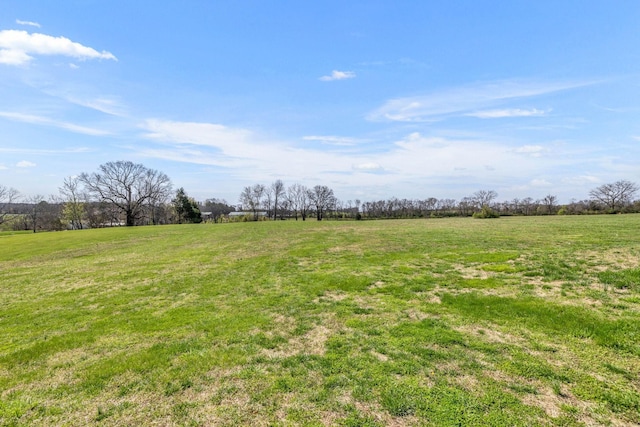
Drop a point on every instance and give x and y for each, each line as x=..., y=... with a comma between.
x=515, y=321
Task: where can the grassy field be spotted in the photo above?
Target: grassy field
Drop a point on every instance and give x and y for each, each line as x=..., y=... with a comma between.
x=504, y=322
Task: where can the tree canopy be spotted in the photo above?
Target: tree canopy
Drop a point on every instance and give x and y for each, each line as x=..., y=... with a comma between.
x=128, y=186
x=186, y=208
x=615, y=195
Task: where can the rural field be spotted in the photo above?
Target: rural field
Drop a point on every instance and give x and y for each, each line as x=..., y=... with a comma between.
x=438, y=322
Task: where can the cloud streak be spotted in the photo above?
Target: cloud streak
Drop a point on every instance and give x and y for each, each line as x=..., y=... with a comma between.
x=18, y=47
x=25, y=164
x=531, y=150
x=27, y=23
x=507, y=112
x=338, y=75
x=333, y=140
x=45, y=121
x=44, y=152
x=469, y=100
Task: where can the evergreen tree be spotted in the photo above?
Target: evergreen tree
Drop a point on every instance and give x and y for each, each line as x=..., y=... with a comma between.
x=186, y=208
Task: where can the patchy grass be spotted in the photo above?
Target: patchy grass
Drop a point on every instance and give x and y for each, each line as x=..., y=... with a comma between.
x=622, y=279
x=517, y=321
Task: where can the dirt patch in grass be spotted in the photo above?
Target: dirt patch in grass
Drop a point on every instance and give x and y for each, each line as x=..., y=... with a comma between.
x=353, y=249
x=491, y=335
x=381, y=416
x=331, y=296
x=311, y=343
x=468, y=272
x=609, y=258
x=418, y=315
x=555, y=403
x=553, y=400
x=377, y=285
x=381, y=357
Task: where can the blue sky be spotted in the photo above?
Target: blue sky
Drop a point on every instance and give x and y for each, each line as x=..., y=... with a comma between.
x=375, y=99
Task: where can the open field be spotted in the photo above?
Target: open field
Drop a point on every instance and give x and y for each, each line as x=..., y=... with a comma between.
x=513, y=321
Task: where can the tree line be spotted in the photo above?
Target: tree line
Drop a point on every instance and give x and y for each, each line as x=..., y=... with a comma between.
x=124, y=193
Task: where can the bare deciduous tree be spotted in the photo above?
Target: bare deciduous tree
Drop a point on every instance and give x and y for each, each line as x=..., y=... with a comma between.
x=615, y=195
x=298, y=196
x=73, y=202
x=483, y=198
x=277, y=189
x=8, y=196
x=251, y=198
x=550, y=201
x=128, y=186
x=36, y=206
x=322, y=198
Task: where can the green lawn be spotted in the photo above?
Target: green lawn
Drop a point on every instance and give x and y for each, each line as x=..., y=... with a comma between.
x=504, y=322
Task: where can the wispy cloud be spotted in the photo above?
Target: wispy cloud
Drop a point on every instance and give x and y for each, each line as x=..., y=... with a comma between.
x=28, y=23
x=506, y=112
x=581, y=180
x=368, y=167
x=108, y=106
x=17, y=48
x=338, y=75
x=415, y=158
x=333, y=140
x=25, y=164
x=229, y=140
x=468, y=99
x=531, y=150
x=45, y=121
x=248, y=155
x=44, y=152
x=540, y=182
x=435, y=163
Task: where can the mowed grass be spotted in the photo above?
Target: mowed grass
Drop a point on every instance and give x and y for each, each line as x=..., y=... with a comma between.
x=511, y=321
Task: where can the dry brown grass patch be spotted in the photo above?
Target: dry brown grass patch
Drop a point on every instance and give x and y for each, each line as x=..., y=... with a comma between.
x=311, y=343
x=471, y=272
x=610, y=258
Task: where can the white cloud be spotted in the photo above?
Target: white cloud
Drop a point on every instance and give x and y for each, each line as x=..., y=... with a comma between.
x=44, y=152
x=478, y=160
x=540, y=183
x=25, y=164
x=39, y=120
x=333, y=140
x=247, y=156
x=507, y=112
x=368, y=167
x=16, y=47
x=338, y=75
x=105, y=105
x=3, y=167
x=227, y=139
x=465, y=100
x=13, y=57
x=28, y=23
x=581, y=180
x=108, y=104
x=415, y=161
x=531, y=150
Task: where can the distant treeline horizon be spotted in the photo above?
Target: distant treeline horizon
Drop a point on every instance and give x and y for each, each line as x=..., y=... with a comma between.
x=124, y=193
